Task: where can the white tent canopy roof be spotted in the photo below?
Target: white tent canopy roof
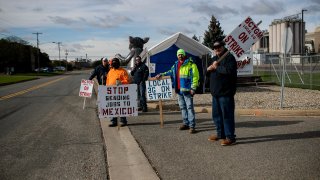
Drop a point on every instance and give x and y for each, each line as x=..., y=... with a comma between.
x=181, y=41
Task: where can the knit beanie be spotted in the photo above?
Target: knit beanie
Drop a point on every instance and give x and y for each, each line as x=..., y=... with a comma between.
x=181, y=51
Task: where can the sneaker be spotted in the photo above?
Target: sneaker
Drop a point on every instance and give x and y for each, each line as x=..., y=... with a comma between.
x=184, y=127
x=227, y=142
x=192, y=130
x=213, y=138
x=113, y=125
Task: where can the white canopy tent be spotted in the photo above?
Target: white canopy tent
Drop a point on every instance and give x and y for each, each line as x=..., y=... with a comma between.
x=166, y=51
x=182, y=41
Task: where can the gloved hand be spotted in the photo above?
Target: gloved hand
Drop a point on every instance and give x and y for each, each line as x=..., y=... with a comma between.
x=192, y=92
x=158, y=76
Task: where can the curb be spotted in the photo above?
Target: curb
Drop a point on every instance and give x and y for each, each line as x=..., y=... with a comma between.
x=125, y=159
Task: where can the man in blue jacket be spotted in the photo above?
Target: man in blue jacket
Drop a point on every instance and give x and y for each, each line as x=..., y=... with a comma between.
x=223, y=81
x=185, y=77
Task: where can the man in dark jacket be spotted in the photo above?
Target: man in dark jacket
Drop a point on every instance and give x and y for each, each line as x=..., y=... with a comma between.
x=101, y=71
x=223, y=80
x=140, y=74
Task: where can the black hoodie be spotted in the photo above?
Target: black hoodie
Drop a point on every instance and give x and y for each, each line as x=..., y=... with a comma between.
x=223, y=80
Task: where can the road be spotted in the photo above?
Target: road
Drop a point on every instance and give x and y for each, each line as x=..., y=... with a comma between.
x=268, y=148
x=45, y=133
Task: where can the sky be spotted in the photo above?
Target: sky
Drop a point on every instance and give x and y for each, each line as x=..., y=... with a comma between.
x=101, y=28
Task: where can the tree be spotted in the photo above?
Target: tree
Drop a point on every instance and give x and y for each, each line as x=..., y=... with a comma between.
x=213, y=33
x=17, y=40
x=96, y=63
x=20, y=56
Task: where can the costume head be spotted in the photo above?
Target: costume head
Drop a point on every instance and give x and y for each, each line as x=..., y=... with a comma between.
x=137, y=42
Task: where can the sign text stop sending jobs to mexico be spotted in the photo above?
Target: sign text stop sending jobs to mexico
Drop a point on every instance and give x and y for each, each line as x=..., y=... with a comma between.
x=118, y=101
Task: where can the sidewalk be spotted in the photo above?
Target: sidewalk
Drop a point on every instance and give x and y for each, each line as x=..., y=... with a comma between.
x=126, y=160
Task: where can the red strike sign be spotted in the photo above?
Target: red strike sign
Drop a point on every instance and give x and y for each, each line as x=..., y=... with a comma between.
x=86, y=88
x=243, y=37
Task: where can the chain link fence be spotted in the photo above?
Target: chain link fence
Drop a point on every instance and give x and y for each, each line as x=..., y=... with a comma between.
x=299, y=71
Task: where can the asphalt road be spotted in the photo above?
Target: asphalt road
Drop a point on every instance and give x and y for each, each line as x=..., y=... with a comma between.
x=268, y=148
x=45, y=133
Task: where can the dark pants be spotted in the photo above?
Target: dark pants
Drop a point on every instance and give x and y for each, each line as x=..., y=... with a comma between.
x=223, y=116
x=142, y=95
x=123, y=120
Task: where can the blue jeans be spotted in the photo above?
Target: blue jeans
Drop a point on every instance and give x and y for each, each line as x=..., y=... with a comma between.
x=187, y=110
x=223, y=116
x=142, y=95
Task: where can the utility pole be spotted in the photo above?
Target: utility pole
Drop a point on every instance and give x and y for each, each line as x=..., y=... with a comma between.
x=37, y=33
x=66, y=60
x=59, y=43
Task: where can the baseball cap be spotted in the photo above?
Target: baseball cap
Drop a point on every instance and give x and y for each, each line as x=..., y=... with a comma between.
x=104, y=59
x=218, y=44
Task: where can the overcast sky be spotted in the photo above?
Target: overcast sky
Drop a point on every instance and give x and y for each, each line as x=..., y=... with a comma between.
x=102, y=27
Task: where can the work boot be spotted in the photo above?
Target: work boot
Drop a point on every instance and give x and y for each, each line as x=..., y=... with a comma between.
x=213, y=138
x=192, y=130
x=227, y=142
x=184, y=127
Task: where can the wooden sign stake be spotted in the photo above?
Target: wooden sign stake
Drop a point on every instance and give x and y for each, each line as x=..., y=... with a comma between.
x=84, y=103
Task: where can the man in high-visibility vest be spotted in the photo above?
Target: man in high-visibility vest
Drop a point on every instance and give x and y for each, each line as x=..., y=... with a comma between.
x=185, y=77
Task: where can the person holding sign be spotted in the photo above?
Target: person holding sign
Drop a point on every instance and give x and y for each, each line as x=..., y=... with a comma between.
x=140, y=74
x=223, y=80
x=185, y=76
x=117, y=76
x=101, y=71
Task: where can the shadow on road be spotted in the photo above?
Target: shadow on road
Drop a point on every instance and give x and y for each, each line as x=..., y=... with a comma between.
x=259, y=124
x=279, y=137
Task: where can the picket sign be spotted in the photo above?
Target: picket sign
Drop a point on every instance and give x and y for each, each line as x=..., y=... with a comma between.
x=85, y=90
x=117, y=101
x=240, y=40
x=159, y=89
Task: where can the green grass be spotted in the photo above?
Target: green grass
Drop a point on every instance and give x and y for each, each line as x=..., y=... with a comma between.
x=42, y=73
x=5, y=79
x=10, y=79
x=311, y=81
